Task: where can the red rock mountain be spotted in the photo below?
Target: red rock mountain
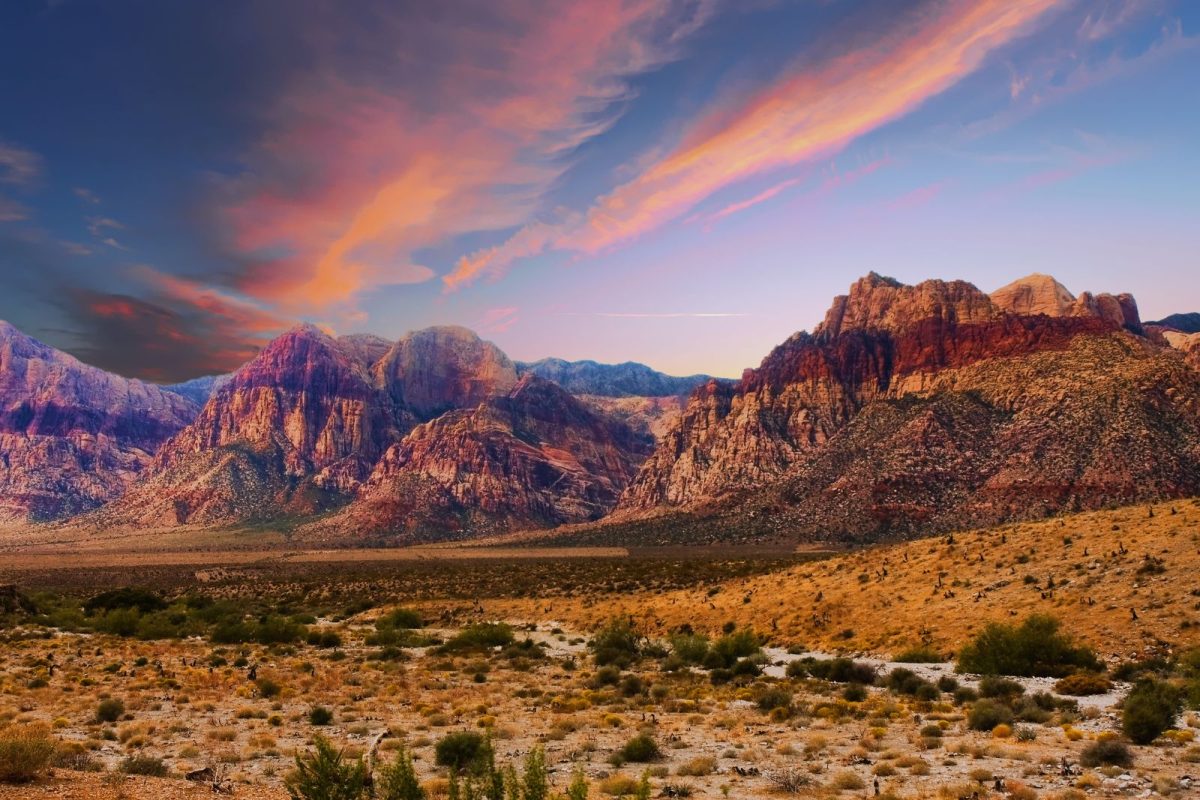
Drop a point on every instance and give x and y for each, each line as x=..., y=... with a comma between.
x=917, y=408
x=72, y=436
x=299, y=429
x=529, y=458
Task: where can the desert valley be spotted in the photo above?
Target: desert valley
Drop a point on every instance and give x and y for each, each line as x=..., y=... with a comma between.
x=599, y=400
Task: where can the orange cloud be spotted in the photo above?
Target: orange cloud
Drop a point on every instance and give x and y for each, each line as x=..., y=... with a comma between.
x=359, y=174
x=812, y=111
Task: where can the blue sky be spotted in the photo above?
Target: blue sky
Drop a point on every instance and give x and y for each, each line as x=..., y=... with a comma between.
x=682, y=183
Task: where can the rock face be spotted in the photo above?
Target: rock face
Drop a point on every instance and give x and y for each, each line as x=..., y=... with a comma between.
x=611, y=380
x=532, y=457
x=449, y=437
x=915, y=408
x=198, y=390
x=72, y=436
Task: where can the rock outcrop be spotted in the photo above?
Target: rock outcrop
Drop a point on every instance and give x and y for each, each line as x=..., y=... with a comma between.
x=915, y=408
x=72, y=436
x=533, y=457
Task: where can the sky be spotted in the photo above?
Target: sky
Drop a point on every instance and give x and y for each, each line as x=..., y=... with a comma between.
x=683, y=183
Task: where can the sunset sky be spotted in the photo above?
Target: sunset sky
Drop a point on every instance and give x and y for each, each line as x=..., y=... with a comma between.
x=679, y=183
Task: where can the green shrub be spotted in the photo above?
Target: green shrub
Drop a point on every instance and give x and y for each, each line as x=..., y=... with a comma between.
x=25, y=753
x=403, y=618
x=398, y=780
x=267, y=688
x=535, y=784
x=143, y=765
x=854, y=693
x=986, y=715
x=110, y=710
x=640, y=749
x=1149, y=709
x=320, y=716
x=482, y=636
x=771, y=699
x=841, y=670
x=617, y=644
x=690, y=647
x=141, y=600
x=459, y=750
x=731, y=647
x=1111, y=752
x=578, y=788
x=327, y=774
x=1036, y=647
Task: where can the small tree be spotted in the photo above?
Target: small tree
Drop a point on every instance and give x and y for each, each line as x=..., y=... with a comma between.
x=534, y=784
x=398, y=780
x=618, y=643
x=327, y=775
x=578, y=788
x=1148, y=710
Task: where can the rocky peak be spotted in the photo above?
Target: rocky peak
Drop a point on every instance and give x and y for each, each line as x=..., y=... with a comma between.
x=73, y=436
x=1035, y=294
x=877, y=303
x=430, y=371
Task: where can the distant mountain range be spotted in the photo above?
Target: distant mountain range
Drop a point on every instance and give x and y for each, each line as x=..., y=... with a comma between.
x=908, y=410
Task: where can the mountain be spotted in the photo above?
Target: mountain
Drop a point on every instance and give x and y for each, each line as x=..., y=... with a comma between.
x=1184, y=323
x=532, y=457
x=913, y=409
x=611, y=380
x=73, y=436
x=198, y=390
x=432, y=434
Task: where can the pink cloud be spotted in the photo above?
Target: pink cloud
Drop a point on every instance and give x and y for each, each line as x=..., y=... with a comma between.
x=812, y=111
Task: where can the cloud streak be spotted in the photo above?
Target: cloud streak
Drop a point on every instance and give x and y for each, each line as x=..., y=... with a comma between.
x=357, y=174
x=811, y=111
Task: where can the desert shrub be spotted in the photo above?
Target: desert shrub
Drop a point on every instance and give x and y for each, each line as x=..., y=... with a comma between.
x=267, y=687
x=735, y=645
x=1036, y=647
x=698, y=767
x=403, y=618
x=905, y=681
x=606, y=676
x=746, y=667
x=947, y=683
x=320, y=716
x=846, y=781
x=1149, y=709
x=459, y=750
x=790, y=780
x=578, y=788
x=141, y=600
x=920, y=654
x=986, y=715
x=110, y=710
x=25, y=753
x=1106, y=752
x=481, y=636
x=619, y=786
x=992, y=686
x=617, y=644
x=640, y=749
x=796, y=669
x=854, y=693
x=324, y=639
x=690, y=647
x=143, y=765
x=1082, y=684
x=842, y=670
x=1131, y=670
x=535, y=783
x=326, y=774
x=273, y=629
x=632, y=686
x=398, y=780
x=771, y=699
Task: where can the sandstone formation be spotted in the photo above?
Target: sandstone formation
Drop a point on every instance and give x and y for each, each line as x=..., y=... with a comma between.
x=612, y=380
x=73, y=436
x=915, y=408
x=532, y=457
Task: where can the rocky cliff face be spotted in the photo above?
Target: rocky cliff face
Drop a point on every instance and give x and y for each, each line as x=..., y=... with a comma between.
x=532, y=457
x=450, y=438
x=72, y=436
x=933, y=405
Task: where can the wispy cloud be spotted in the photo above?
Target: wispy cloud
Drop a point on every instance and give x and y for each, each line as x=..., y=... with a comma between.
x=653, y=314
x=355, y=177
x=498, y=320
x=18, y=165
x=811, y=111
x=86, y=195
